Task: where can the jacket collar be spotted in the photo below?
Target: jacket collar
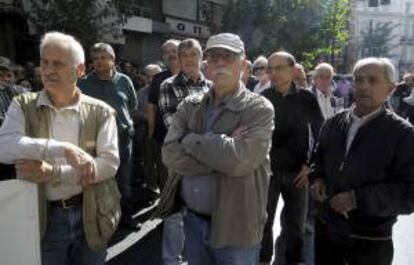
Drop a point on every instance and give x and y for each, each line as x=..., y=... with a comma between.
x=292, y=90
x=44, y=100
x=350, y=115
x=235, y=102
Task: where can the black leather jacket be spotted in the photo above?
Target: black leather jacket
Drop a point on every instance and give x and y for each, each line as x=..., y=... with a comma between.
x=379, y=167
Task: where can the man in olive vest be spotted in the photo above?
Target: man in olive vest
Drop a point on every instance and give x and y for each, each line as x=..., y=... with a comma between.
x=67, y=143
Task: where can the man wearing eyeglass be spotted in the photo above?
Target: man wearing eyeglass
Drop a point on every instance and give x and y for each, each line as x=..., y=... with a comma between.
x=216, y=150
x=297, y=122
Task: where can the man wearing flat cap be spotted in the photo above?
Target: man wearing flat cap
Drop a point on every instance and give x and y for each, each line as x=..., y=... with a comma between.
x=216, y=150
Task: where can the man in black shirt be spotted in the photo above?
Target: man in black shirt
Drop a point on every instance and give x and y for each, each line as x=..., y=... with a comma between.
x=156, y=127
x=172, y=240
x=297, y=122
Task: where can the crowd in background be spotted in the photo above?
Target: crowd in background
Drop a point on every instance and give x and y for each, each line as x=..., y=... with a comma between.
x=144, y=103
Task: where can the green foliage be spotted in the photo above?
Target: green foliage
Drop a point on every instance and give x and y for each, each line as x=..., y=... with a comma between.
x=87, y=20
x=309, y=29
x=376, y=40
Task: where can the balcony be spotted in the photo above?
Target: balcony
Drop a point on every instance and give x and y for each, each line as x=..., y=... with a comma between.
x=136, y=10
x=407, y=40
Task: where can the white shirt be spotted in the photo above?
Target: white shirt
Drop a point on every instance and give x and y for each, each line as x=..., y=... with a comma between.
x=356, y=124
x=65, y=125
x=261, y=87
x=324, y=101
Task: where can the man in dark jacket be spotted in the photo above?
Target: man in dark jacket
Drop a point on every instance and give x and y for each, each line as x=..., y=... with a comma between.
x=297, y=121
x=363, y=173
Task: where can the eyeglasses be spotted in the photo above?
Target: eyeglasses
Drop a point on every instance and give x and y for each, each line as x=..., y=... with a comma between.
x=259, y=68
x=226, y=56
x=278, y=68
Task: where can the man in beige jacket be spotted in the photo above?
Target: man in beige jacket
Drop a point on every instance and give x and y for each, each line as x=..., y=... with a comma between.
x=65, y=142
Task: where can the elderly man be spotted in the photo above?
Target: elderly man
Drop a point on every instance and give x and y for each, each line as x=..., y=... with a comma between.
x=117, y=90
x=216, y=150
x=297, y=121
x=402, y=91
x=363, y=173
x=67, y=143
x=187, y=82
x=156, y=127
x=323, y=90
x=299, y=76
x=259, y=71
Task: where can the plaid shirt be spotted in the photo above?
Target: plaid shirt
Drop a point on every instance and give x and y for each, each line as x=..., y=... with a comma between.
x=174, y=89
x=7, y=92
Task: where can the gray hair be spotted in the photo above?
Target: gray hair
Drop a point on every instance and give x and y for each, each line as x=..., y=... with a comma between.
x=170, y=41
x=152, y=69
x=260, y=59
x=58, y=38
x=324, y=68
x=385, y=63
x=188, y=44
x=103, y=47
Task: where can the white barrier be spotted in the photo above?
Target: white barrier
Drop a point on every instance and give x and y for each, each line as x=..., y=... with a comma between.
x=19, y=223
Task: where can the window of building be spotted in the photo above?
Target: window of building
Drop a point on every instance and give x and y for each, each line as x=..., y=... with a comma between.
x=373, y=3
x=407, y=8
x=385, y=2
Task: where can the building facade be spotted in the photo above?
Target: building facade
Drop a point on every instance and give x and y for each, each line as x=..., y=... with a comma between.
x=149, y=24
x=384, y=28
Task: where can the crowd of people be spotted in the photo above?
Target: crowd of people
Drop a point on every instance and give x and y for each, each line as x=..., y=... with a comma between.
x=218, y=139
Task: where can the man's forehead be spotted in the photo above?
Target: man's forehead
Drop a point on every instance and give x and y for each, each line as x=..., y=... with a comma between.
x=169, y=47
x=278, y=59
x=102, y=54
x=372, y=69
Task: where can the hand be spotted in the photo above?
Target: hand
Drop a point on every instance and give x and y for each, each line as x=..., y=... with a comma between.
x=318, y=190
x=34, y=170
x=343, y=202
x=239, y=132
x=83, y=163
x=301, y=179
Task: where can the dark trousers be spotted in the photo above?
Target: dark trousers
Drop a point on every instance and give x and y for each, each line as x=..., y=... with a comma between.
x=161, y=170
x=123, y=176
x=290, y=241
x=333, y=248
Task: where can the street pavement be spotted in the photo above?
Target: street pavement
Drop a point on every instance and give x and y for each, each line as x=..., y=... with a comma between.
x=144, y=246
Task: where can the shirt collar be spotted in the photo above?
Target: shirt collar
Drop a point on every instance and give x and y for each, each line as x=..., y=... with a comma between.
x=292, y=90
x=187, y=81
x=44, y=100
x=366, y=118
x=236, y=101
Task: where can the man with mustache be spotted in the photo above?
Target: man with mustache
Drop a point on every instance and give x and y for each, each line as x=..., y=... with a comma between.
x=66, y=142
x=187, y=82
x=363, y=173
x=216, y=150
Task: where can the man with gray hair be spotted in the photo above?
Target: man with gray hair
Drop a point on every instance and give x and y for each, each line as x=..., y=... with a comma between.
x=363, y=173
x=66, y=142
x=117, y=90
x=188, y=81
x=323, y=90
x=216, y=150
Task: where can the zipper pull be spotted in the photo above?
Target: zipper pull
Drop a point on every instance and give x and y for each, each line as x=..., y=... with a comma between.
x=341, y=167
